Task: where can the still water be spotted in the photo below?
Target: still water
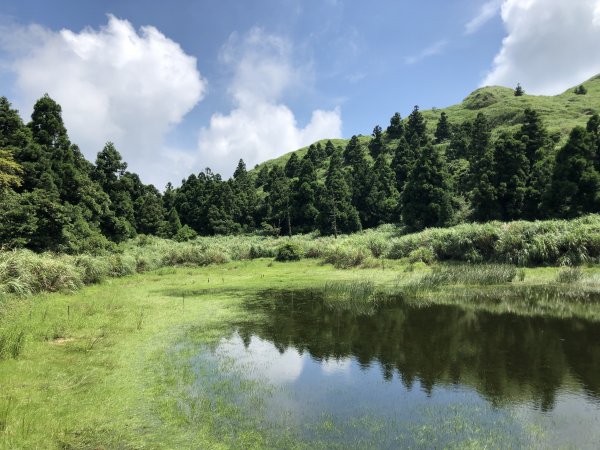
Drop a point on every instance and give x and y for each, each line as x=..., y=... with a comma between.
x=392, y=375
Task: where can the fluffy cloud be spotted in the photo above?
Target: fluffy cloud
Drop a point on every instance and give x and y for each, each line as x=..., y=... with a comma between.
x=260, y=126
x=551, y=45
x=113, y=84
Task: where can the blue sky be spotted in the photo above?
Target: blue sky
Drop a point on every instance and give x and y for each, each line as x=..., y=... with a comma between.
x=208, y=82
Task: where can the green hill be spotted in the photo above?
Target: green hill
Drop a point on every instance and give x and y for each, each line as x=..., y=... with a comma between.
x=504, y=111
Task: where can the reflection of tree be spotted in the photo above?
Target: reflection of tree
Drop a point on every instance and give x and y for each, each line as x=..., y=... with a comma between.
x=505, y=357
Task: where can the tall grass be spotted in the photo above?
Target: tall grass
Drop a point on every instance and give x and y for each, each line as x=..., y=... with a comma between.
x=466, y=274
x=554, y=242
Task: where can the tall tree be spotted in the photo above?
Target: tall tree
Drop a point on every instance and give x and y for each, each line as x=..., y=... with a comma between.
x=396, y=128
x=376, y=144
x=383, y=196
x=482, y=177
x=442, y=130
x=336, y=212
x=306, y=193
x=575, y=187
x=416, y=129
x=279, y=208
x=292, y=166
x=511, y=176
x=426, y=198
x=403, y=162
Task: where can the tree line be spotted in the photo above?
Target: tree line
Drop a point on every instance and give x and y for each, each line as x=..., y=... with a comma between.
x=52, y=198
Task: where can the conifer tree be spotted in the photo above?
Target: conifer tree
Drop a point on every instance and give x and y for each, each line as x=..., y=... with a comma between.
x=383, y=196
x=519, y=91
x=442, y=131
x=403, y=162
x=396, y=128
x=575, y=187
x=329, y=148
x=278, y=200
x=426, y=198
x=292, y=166
x=306, y=192
x=416, y=130
x=482, y=185
x=376, y=144
x=353, y=151
x=511, y=176
x=336, y=212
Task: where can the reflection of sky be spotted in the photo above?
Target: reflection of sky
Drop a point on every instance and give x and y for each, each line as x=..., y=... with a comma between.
x=310, y=389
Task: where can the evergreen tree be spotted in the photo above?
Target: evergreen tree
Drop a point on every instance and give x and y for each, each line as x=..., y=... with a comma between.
x=353, y=151
x=361, y=182
x=442, y=131
x=580, y=90
x=519, y=91
x=262, y=177
x=171, y=226
x=396, y=128
x=292, y=166
x=306, y=192
x=278, y=200
x=383, y=196
x=416, y=129
x=329, y=148
x=376, y=144
x=426, y=198
x=403, y=162
x=575, y=187
x=511, y=176
x=534, y=136
x=460, y=141
x=336, y=212
x=245, y=196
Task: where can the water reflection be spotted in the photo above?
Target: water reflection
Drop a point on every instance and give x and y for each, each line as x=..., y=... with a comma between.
x=507, y=359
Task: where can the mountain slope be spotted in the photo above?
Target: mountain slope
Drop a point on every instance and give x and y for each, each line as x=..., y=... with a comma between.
x=561, y=113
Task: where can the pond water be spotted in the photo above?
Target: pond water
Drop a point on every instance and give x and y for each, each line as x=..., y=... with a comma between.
x=318, y=373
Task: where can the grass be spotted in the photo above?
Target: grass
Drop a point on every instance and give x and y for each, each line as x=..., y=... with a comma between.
x=521, y=243
x=90, y=369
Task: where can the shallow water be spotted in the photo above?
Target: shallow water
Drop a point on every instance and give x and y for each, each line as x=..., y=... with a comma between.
x=391, y=375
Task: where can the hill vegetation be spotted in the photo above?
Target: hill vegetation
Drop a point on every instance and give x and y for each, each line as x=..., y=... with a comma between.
x=496, y=156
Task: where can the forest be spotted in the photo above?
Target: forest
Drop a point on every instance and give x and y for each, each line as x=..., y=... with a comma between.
x=53, y=199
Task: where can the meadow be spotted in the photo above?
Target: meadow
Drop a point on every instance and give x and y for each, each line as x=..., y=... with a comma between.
x=90, y=344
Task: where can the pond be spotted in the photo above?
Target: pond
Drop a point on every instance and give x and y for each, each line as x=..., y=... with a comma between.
x=311, y=373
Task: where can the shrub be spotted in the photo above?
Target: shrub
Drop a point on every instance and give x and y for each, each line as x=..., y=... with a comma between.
x=422, y=254
x=569, y=275
x=289, y=251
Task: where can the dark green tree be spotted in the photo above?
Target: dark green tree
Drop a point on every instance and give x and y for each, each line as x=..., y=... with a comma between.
x=519, y=91
x=403, y=162
x=396, y=128
x=416, y=129
x=426, y=199
x=292, y=166
x=306, y=194
x=442, y=131
x=376, y=146
x=511, y=176
x=336, y=212
x=383, y=196
x=575, y=187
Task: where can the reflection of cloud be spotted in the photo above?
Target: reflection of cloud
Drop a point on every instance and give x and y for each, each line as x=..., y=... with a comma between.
x=336, y=366
x=263, y=359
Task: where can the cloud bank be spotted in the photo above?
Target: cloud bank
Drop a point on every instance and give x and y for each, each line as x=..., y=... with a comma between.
x=114, y=83
x=260, y=126
x=551, y=45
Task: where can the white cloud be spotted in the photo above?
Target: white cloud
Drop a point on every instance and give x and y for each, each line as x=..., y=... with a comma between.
x=260, y=126
x=487, y=11
x=434, y=49
x=113, y=84
x=551, y=45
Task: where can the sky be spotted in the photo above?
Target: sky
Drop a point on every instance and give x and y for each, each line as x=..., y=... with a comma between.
x=184, y=85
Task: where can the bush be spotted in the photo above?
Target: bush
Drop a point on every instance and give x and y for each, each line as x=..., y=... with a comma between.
x=422, y=254
x=569, y=275
x=289, y=252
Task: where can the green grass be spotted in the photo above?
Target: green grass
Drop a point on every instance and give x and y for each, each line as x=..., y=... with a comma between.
x=92, y=368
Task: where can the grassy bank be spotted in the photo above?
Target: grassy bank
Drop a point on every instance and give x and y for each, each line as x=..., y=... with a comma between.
x=525, y=244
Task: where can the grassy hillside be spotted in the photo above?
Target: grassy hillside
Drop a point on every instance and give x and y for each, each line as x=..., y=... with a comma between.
x=561, y=113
